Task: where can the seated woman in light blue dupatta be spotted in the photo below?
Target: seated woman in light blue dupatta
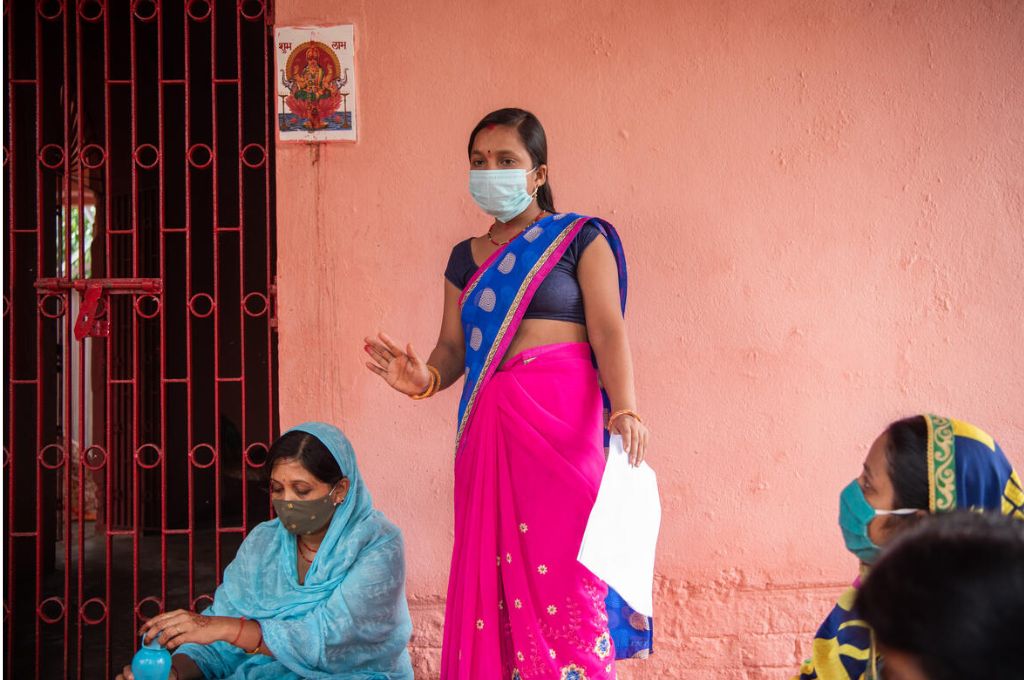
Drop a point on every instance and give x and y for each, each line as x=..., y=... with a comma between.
x=318, y=592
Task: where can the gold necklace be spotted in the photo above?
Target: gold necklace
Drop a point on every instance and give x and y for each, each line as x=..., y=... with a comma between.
x=490, y=235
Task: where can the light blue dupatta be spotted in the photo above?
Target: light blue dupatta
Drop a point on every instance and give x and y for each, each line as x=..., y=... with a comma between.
x=348, y=621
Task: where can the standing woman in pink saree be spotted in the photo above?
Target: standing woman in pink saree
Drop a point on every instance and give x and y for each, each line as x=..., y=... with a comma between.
x=533, y=320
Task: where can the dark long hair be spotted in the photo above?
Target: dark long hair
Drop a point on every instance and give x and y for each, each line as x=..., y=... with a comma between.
x=309, y=451
x=531, y=133
x=907, y=455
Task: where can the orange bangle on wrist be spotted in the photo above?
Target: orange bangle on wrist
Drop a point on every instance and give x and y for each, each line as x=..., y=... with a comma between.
x=241, y=628
x=432, y=387
x=623, y=412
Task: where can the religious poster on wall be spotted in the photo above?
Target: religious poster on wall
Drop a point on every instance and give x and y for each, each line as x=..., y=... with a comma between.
x=316, y=84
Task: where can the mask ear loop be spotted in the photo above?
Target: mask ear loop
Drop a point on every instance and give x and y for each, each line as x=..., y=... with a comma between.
x=335, y=488
x=536, y=189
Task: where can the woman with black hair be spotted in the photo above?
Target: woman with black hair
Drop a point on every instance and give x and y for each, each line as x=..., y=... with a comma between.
x=317, y=592
x=919, y=466
x=533, y=319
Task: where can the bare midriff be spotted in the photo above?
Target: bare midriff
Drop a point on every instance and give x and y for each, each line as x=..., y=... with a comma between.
x=534, y=333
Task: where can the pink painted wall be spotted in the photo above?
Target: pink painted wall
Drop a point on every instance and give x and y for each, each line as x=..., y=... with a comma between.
x=822, y=203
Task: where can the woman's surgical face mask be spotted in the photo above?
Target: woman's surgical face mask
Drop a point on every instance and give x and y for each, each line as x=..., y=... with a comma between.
x=855, y=514
x=500, y=167
x=501, y=194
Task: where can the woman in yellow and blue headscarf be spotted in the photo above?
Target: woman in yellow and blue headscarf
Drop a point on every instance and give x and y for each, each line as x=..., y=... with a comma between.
x=921, y=465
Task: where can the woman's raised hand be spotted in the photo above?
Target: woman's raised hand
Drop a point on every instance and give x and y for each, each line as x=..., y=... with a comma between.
x=403, y=370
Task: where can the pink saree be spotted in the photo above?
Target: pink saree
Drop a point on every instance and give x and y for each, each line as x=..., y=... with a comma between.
x=520, y=606
x=530, y=457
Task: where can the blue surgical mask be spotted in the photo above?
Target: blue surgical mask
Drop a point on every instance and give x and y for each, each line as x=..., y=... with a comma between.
x=501, y=193
x=855, y=514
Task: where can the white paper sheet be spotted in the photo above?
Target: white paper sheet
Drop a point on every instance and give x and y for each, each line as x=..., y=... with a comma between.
x=622, y=532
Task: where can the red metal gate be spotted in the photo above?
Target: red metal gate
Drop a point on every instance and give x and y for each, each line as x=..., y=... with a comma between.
x=140, y=371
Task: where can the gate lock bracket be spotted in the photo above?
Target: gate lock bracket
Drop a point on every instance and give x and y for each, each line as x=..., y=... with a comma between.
x=93, y=299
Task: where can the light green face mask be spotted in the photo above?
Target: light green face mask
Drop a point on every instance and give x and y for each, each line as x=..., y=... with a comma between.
x=501, y=193
x=855, y=514
x=306, y=517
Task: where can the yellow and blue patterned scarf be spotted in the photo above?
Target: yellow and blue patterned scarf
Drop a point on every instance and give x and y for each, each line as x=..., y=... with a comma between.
x=966, y=470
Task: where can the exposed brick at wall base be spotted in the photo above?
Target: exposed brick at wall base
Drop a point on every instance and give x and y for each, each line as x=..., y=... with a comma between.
x=728, y=629
x=427, y=634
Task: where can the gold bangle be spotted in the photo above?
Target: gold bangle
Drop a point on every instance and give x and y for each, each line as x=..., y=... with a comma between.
x=623, y=412
x=432, y=386
x=435, y=381
x=427, y=392
x=259, y=645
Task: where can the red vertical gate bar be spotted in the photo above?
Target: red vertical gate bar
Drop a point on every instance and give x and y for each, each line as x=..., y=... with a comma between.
x=136, y=254
x=73, y=121
x=10, y=300
x=215, y=235
x=71, y=598
x=241, y=255
x=136, y=443
x=77, y=127
x=8, y=313
x=269, y=106
x=40, y=267
x=189, y=473
x=64, y=232
x=113, y=461
x=67, y=429
x=161, y=217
